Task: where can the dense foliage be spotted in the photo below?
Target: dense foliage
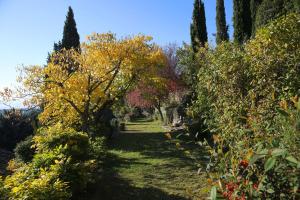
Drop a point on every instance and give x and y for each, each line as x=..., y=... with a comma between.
x=249, y=99
x=158, y=91
x=24, y=150
x=269, y=10
x=103, y=72
x=66, y=153
x=64, y=163
x=241, y=96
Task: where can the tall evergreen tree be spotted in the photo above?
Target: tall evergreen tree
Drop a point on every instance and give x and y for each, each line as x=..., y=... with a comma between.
x=254, y=5
x=242, y=20
x=70, y=38
x=222, y=28
x=70, y=35
x=198, y=26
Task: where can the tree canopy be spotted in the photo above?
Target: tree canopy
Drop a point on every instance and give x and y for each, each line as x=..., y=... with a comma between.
x=106, y=68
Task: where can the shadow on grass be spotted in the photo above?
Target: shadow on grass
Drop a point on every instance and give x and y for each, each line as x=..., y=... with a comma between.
x=159, y=181
x=156, y=145
x=113, y=187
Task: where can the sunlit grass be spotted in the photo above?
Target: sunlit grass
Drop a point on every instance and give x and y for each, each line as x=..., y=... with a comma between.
x=149, y=166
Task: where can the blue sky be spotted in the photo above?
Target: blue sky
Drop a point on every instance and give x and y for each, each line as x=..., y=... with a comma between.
x=28, y=28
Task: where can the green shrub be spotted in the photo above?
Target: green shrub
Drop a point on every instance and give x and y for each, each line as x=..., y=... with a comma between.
x=75, y=143
x=24, y=150
x=198, y=130
x=272, y=9
x=3, y=192
x=29, y=182
x=248, y=99
x=64, y=163
x=97, y=148
x=75, y=146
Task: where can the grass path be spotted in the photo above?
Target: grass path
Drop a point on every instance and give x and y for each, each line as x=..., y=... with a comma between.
x=144, y=165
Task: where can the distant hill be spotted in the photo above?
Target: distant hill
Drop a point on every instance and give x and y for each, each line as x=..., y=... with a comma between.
x=23, y=110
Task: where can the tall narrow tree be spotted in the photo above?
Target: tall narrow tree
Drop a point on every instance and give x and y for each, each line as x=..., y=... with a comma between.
x=198, y=26
x=242, y=21
x=70, y=38
x=70, y=35
x=254, y=5
x=222, y=28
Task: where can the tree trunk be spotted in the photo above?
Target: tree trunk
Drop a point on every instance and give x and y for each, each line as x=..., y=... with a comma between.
x=160, y=113
x=85, y=124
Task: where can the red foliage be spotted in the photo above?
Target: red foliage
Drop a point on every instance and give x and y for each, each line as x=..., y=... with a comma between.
x=145, y=95
x=244, y=163
x=230, y=188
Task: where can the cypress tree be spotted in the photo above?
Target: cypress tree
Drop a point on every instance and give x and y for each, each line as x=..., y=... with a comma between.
x=70, y=38
x=254, y=5
x=242, y=20
x=198, y=26
x=222, y=28
x=70, y=35
x=203, y=29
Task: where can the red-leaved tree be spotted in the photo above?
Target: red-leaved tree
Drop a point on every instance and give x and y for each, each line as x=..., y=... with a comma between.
x=155, y=92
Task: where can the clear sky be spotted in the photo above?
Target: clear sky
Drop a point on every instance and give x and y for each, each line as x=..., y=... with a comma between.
x=28, y=28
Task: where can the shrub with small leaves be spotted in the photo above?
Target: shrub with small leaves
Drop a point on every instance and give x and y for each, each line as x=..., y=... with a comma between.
x=249, y=99
x=3, y=192
x=64, y=163
x=36, y=181
x=24, y=150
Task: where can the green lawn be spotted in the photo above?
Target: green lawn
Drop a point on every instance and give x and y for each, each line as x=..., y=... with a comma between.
x=144, y=165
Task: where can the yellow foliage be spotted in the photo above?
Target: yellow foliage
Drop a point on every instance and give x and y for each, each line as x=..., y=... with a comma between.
x=75, y=85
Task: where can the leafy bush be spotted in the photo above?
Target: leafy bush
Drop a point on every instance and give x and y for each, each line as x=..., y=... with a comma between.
x=97, y=148
x=198, y=130
x=248, y=99
x=24, y=150
x=76, y=143
x=272, y=9
x=29, y=182
x=3, y=192
x=64, y=163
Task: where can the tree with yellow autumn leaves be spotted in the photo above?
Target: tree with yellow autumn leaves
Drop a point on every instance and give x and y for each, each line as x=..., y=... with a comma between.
x=101, y=74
